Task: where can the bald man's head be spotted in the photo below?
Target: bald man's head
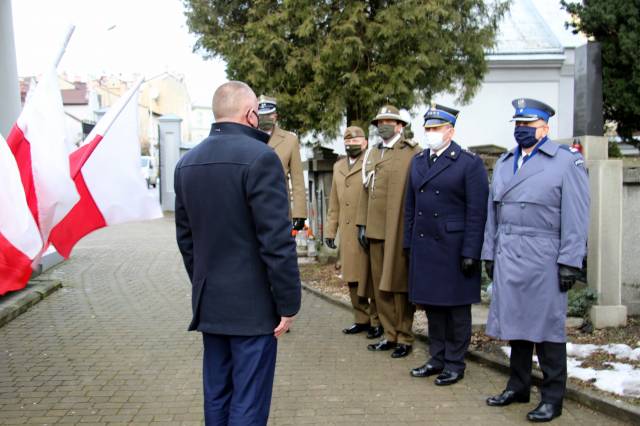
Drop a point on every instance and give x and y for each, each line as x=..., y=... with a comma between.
x=235, y=101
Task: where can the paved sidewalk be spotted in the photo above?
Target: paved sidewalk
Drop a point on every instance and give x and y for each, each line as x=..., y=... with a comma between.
x=110, y=347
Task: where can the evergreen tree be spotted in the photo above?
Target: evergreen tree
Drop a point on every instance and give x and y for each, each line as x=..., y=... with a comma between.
x=616, y=25
x=331, y=59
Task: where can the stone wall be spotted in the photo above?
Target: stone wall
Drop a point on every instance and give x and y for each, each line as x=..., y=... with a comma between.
x=631, y=240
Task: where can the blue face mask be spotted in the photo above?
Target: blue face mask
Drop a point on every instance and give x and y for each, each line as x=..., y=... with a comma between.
x=525, y=136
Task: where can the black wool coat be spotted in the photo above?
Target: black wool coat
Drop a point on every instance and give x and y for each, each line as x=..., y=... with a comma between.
x=234, y=233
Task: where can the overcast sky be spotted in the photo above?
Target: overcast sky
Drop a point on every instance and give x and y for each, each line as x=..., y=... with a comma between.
x=112, y=37
x=142, y=36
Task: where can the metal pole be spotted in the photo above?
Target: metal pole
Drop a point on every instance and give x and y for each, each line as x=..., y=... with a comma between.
x=9, y=86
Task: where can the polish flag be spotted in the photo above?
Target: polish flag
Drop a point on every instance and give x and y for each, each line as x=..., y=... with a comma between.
x=106, y=172
x=37, y=141
x=20, y=240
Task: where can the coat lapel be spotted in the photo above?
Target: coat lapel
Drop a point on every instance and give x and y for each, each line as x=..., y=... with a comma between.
x=356, y=168
x=531, y=168
x=277, y=137
x=445, y=160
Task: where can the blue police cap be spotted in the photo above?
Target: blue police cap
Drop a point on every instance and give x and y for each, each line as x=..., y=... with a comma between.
x=439, y=115
x=531, y=110
x=266, y=104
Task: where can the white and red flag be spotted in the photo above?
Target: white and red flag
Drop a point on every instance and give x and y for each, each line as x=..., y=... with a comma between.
x=106, y=172
x=37, y=141
x=20, y=240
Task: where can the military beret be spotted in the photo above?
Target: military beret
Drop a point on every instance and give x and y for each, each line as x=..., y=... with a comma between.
x=353, y=132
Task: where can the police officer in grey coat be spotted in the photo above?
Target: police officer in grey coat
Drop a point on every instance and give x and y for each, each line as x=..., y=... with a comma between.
x=534, y=245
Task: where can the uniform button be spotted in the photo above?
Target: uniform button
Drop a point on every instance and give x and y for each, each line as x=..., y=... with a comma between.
x=522, y=205
x=419, y=213
x=346, y=184
x=502, y=204
x=435, y=215
x=437, y=192
x=422, y=190
x=348, y=222
x=373, y=197
x=347, y=205
x=421, y=235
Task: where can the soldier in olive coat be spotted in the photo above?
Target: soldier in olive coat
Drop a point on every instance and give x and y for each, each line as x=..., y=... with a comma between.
x=380, y=223
x=346, y=190
x=287, y=147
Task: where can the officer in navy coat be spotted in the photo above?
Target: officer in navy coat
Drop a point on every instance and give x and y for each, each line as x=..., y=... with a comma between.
x=234, y=234
x=534, y=245
x=445, y=214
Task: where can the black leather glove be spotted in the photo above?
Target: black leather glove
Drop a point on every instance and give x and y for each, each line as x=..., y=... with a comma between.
x=567, y=277
x=488, y=268
x=298, y=223
x=330, y=242
x=362, y=239
x=469, y=266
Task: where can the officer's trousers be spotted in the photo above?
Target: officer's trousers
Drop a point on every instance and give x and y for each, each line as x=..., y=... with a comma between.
x=394, y=309
x=553, y=363
x=449, y=336
x=364, y=311
x=238, y=379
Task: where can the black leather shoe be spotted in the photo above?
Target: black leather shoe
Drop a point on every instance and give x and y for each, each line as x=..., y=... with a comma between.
x=425, y=371
x=356, y=328
x=544, y=412
x=375, y=332
x=401, y=351
x=505, y=398
x=448, y=378
x=382, y=345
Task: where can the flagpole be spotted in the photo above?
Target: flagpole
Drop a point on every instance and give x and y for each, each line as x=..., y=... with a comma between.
x=63, y=48
x=122, y=103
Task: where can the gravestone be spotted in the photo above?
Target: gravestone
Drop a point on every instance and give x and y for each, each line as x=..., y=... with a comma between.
x=587, y=98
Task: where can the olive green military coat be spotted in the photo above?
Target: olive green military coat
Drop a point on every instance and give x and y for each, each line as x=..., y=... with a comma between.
x=381, y=208
x=346, y=191
x=287, y=147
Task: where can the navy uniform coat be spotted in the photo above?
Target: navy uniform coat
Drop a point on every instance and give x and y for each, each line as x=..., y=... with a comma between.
x=538, y=218
x=234, y=233
x=445, y=212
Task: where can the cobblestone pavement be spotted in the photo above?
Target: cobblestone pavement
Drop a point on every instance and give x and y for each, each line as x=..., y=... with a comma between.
x=111, y=347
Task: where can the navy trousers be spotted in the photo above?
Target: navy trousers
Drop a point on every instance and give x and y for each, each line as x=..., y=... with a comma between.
x=553, y=363
x=238, y=379
x=449, y=336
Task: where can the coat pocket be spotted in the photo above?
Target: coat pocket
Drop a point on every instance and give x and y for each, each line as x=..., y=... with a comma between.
x=454, y=226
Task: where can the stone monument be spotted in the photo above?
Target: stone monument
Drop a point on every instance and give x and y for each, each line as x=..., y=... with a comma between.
x=604, y=257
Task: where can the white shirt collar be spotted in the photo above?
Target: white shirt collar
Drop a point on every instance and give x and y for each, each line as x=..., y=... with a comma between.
x=392, y=141
x=443, y=149
x=352, y=161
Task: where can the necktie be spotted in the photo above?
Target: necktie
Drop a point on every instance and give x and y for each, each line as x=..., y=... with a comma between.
x=432, y=159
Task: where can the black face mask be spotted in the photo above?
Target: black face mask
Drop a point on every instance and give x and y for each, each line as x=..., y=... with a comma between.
x=353, y=151
x=266, y=123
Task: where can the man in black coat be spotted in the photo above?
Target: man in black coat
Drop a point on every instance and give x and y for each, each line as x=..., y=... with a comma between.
x=234, y=233
x=445, y=214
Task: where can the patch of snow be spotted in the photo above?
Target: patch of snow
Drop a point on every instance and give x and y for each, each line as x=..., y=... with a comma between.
x=623, y=379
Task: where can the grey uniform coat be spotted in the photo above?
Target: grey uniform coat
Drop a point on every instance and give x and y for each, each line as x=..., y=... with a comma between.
x=537, y=218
